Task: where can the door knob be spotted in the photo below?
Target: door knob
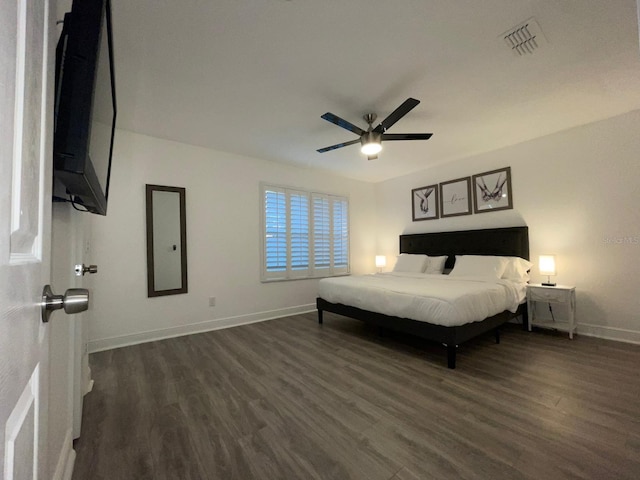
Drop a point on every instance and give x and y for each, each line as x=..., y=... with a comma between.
x=74, y=300
x=82, y=269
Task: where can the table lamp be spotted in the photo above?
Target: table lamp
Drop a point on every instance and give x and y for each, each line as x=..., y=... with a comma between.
x=547, y=266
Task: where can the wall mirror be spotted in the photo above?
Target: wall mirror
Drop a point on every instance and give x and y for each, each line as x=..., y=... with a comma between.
x=166, y=241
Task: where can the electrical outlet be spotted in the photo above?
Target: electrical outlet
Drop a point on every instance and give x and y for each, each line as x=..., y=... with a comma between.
x=212, y=301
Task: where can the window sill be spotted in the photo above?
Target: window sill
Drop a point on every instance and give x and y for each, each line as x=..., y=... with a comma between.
x=318, y=277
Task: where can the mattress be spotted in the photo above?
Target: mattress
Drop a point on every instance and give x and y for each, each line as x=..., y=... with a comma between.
x=436, y=299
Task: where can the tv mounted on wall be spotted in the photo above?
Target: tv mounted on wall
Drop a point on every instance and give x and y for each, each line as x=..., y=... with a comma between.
x=85, y=107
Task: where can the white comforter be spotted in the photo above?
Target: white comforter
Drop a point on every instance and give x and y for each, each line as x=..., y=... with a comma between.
x=437, y=299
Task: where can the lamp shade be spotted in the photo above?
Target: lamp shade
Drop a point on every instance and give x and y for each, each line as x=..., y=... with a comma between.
x=371, y=143
x=381, y=261
x=371, y=148
x=547, y=264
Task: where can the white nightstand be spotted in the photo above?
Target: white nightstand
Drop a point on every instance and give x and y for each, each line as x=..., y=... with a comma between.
x=560, y=294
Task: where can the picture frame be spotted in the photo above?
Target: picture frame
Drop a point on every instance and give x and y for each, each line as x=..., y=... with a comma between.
x=492, y=191
x=424, y=203
x=455, y=197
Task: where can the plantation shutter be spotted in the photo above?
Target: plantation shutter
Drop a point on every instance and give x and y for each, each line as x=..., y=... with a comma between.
x=330, y=235
x=321, y=234
x=275, y=239
x=299, y=236
x=340, y=235
x=304, y=234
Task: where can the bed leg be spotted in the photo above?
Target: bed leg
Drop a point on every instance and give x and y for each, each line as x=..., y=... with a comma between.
x=451, y=356
x=497, y=335
x=320, y=316
x=525, y=318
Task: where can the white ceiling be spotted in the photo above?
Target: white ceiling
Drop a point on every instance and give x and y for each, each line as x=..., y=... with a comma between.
x=253, y=76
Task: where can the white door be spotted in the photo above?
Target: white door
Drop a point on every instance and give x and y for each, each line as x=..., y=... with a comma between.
x=26, y=88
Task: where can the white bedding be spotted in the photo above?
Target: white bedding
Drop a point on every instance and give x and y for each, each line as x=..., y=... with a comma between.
x=437, y=299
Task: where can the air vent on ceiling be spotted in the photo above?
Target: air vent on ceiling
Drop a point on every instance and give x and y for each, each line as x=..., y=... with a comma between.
x=524, y=39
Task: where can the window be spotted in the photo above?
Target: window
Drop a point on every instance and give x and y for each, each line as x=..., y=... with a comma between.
x=330, y=235
x=305, y=234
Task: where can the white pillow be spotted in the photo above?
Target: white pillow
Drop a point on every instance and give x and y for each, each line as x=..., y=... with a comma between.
x=517, y=269
x=410, y=263
x=479, y=266
x=435, y=265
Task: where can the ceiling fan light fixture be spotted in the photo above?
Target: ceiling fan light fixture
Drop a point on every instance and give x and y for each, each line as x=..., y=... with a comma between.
x=371, y=143
x=371, y=148
x=371, y=139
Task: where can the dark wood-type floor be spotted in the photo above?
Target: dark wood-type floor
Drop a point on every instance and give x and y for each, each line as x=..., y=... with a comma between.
x=288, y=399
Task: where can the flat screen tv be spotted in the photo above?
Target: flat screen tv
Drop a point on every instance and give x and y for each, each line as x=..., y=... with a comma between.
x=85, y=107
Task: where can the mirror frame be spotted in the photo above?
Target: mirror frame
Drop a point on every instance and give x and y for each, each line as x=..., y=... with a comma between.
x=151, y=291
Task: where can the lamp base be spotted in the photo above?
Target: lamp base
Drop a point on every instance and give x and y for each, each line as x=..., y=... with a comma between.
x=548, y=284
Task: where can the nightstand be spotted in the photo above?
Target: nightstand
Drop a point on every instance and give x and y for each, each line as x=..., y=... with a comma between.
x=561, y=295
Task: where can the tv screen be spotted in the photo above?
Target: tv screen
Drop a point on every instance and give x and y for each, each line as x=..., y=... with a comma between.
x=85, y=107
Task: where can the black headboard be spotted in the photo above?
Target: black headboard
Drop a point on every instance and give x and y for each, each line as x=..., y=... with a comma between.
x=511, y=242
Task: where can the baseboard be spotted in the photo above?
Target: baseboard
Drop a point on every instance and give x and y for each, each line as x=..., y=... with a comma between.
x=217, y=324
x=66, y=461
x=609, y=333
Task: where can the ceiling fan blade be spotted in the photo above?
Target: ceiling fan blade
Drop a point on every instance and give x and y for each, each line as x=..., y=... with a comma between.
x=339, y=145
x=396, y=115
x=406, y=136
x=330, y=117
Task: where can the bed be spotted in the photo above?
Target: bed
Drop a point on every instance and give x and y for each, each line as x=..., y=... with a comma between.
x=508, y=242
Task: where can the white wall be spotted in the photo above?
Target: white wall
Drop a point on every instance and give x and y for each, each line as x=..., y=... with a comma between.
x=67, y=229
x=60, y=405
x=68, y=361
x=578, y=191
x=223, y=241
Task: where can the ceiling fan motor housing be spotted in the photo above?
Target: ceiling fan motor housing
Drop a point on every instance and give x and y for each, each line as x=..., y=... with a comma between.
x=370, y=118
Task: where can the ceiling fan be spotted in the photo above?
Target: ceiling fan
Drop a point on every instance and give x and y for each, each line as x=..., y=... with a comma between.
x=371, y=139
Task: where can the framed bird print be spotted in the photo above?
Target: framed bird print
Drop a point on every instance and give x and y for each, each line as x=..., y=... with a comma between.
x=492, y=191
x=424, y=202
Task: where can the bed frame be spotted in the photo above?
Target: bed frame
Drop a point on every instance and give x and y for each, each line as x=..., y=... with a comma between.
x=512, y=241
